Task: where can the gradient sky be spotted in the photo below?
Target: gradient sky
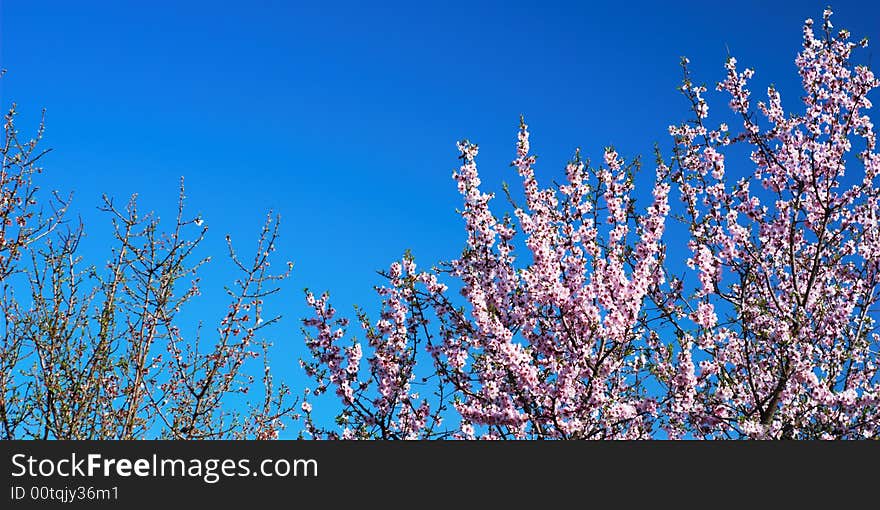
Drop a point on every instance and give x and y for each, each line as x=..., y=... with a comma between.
x=343, y=118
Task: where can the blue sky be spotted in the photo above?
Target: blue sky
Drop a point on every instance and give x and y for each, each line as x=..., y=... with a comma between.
x=343, y=118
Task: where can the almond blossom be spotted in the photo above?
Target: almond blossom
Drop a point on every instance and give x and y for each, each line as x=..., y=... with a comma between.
x=786, y=256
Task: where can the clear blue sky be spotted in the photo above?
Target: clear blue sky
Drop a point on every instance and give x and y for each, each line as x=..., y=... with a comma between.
x=344, y=118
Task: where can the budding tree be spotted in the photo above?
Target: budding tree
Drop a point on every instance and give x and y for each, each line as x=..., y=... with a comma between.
x=98, y=352
x=22, y=225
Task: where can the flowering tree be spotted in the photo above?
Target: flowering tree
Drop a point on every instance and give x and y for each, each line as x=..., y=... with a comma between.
x=786, y=256
x=554, y=337
x=549, y=348
x=382, y=402
x=89, y=353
